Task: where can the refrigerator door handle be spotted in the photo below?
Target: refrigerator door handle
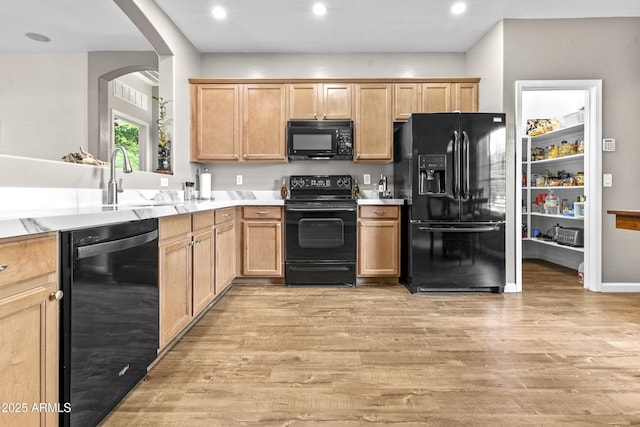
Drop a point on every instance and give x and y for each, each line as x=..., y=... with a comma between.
x=456, y=172
x=465, y=171
x=461, y=230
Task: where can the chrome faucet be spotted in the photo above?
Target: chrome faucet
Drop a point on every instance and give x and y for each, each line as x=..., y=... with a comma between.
x=112, y=186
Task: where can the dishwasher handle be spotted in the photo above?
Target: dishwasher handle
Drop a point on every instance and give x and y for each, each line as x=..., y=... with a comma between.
x=116, y=245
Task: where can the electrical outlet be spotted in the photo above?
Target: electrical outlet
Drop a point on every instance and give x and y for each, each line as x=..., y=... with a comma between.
x=607, y=180
x=164, y=182
x=238, y=179
x=367, y=179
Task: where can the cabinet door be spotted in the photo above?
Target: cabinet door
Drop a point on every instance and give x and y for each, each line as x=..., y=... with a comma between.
x=215, y=122
x=337, y=101
x=264, y=122
x=29, y=356
x=378, y=248
x=406, y=100
x=203, y=270
x=464, y=97
x=262, y=248
x=436, y=97
x=225, y=267
x=175, y=288
x=374, y=124
x=303, y=101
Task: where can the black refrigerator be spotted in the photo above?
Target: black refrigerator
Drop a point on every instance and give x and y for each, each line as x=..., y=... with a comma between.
x=451, y=170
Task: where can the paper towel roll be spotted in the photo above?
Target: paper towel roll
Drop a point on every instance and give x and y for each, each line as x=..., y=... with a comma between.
x=205, y=185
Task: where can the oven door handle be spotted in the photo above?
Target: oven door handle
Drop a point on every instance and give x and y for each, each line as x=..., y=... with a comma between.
x=461, y=229
x=116, y=245
x=320, y=209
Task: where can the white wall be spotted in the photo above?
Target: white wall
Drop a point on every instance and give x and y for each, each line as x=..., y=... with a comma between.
x=606, y=49
x=485, y=59
x=179, y=62
x=43, y=104
x=273, y=65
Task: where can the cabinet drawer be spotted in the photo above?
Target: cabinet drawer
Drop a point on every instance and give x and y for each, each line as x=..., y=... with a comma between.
x=379, y=211
x=225, y=215
x=172, y=226
x=26, y=258
x=202, y=220
x=263, y=212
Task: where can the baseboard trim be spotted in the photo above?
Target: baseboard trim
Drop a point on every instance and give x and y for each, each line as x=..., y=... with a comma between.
x=511, y=288
x=620, y=287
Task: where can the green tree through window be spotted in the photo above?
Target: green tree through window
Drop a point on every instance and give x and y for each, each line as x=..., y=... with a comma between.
x=125, y=135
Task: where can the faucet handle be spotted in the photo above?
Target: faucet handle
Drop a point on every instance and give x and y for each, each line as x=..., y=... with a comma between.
x=119, y=188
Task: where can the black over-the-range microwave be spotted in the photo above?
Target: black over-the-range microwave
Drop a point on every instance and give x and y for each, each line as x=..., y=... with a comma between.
x=320, y=139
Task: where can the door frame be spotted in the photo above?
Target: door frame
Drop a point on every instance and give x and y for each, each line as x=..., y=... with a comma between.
x=593, y=170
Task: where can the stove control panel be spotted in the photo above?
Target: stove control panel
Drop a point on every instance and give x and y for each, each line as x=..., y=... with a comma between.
x=320, y=183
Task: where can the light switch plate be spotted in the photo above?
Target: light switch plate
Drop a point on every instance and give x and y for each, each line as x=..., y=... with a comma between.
x=607, y=180
x=164, y=182
x=367, y=178
x=609, y=144
x=238, y=179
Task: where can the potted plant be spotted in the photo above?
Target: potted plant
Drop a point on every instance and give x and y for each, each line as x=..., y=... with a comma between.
x=164, y=143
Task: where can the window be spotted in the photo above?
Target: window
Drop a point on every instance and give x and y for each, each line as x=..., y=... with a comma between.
x=130, y=134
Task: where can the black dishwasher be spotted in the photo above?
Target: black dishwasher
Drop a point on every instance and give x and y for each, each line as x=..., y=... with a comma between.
x=108, y=316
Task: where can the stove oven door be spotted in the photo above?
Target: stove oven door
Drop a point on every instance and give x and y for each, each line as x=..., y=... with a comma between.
x=320, y=243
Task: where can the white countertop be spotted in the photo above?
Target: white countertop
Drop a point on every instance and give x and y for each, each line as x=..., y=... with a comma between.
x=74, y=209
x=381, y=201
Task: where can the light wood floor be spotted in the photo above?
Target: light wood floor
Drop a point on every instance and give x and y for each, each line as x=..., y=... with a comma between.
x=275, y=356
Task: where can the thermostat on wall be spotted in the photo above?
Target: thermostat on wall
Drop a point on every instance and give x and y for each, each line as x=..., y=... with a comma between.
x=608, y=144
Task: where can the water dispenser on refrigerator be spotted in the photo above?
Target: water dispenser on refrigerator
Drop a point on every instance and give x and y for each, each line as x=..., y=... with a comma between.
x=432, y=169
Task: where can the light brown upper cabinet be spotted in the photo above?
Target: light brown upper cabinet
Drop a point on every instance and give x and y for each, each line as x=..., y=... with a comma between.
x=264, y=122
x=445, y=97
x=406, y=100
x=320, y=101
x=238, y=122
x=464, y=97
x=215, y=122
x=373, y=122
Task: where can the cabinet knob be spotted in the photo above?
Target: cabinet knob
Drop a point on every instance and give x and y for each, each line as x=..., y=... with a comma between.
x=57, y=295
x=315, y=116
x=3, y=267
x=324, y=116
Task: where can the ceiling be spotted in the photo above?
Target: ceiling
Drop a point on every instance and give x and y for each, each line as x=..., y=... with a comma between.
x=285, y=25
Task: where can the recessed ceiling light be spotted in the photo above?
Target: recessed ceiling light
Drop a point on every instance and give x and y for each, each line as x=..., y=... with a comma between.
x=319, y=9
x=38, y=37
x=458, y=8
x=219, y=13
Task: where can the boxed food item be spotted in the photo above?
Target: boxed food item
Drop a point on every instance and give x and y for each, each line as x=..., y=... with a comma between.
x=540, y=126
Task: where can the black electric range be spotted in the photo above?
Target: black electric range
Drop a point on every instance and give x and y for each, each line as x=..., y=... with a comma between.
x=320, y=231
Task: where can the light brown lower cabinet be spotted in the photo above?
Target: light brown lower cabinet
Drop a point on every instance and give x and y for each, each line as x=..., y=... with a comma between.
x=204, y=248
x=174, y=275
x=262, y=236
x=225, y=243
x=29, y=330
x=378, y=241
